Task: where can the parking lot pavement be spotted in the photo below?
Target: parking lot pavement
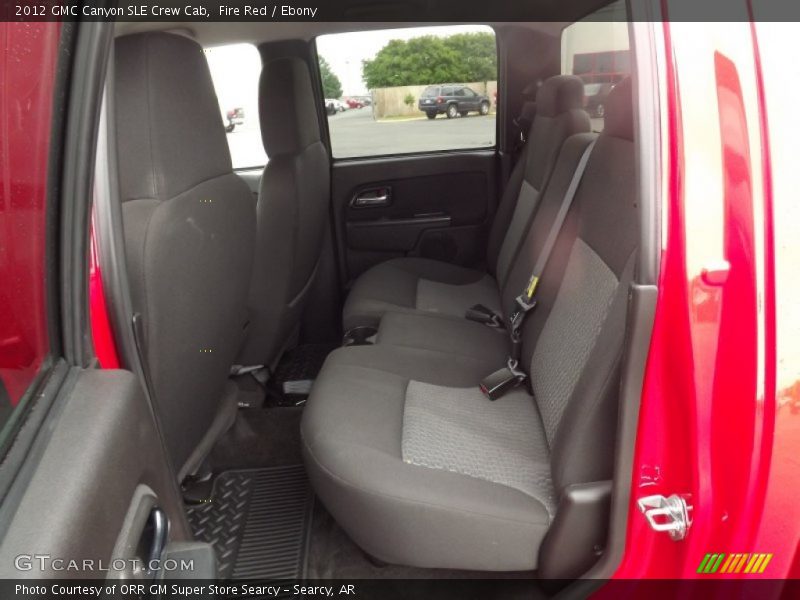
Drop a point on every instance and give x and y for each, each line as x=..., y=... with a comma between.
x=355, y=133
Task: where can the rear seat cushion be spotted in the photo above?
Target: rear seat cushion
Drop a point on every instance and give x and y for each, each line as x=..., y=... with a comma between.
x=365, y=445
x=411, y=284
x=455, y=429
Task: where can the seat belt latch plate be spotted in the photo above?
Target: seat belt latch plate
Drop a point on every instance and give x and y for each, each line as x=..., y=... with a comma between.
x=484, y=315
x=524, y=305
x=499, y=383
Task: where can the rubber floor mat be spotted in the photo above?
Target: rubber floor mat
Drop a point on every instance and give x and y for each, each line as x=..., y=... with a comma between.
x=302, y=362
x=291, y=382
x=258, y=521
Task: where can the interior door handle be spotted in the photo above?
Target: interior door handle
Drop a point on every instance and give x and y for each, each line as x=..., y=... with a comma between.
x=373, y=197
x=158, y=527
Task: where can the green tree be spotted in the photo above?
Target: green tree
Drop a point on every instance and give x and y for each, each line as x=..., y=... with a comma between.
x=331, y=86
x=478, y=51
x=432, y=59
x=417, y=61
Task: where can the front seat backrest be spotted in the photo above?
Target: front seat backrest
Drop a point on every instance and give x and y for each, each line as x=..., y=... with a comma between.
x=292, y=208
x=189, y=226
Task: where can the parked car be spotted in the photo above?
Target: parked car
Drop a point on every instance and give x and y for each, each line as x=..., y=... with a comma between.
x=339, y=105
x=594, y=98
x=333, y=105
x=235, y=117
x=452, y=100
x=355, y=103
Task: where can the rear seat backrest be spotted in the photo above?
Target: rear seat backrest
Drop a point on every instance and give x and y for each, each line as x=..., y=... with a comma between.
x=573, y=340
x=558, y=116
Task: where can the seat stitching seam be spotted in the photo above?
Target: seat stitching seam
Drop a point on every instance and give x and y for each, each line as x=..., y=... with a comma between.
x=437, y=350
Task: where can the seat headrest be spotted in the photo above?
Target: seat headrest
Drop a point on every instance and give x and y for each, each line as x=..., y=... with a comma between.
x=619, y=111
x=289, y=120
x=559, y=94
x=170, y=135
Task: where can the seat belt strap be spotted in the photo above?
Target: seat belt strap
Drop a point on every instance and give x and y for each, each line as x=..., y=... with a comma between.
x=526, y=301
x=511, y=376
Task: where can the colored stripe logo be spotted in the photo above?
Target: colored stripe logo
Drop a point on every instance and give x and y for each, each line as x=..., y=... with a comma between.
x=734, y=563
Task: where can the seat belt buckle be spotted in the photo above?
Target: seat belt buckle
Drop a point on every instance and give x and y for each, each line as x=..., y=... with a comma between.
x=485, y=315
x=499, y=383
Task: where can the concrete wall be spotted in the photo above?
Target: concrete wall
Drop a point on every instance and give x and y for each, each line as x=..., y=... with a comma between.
x=389, y=102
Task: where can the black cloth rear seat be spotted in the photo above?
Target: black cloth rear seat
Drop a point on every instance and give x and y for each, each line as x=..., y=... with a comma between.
x=419, y=467
x=434, y=287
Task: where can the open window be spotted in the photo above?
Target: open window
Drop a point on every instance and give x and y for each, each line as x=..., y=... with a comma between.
x=235, y=69
x=381, y=86
x=597, y=50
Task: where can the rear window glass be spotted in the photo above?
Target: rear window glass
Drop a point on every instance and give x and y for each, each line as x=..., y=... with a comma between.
x=235, y=70
x=597, y=50
x=392, y=91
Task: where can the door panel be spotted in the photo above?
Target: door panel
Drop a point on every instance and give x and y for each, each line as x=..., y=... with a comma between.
x=93, y=476
x=399, y=235
x=436, y=206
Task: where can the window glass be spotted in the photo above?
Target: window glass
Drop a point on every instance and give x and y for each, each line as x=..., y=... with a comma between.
x=235, y=70
x=582, y=63
x=776, y=42
x=622, y=62
x=399, y=77
x=26, y=102
x=597, y=50
x=605, y=62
